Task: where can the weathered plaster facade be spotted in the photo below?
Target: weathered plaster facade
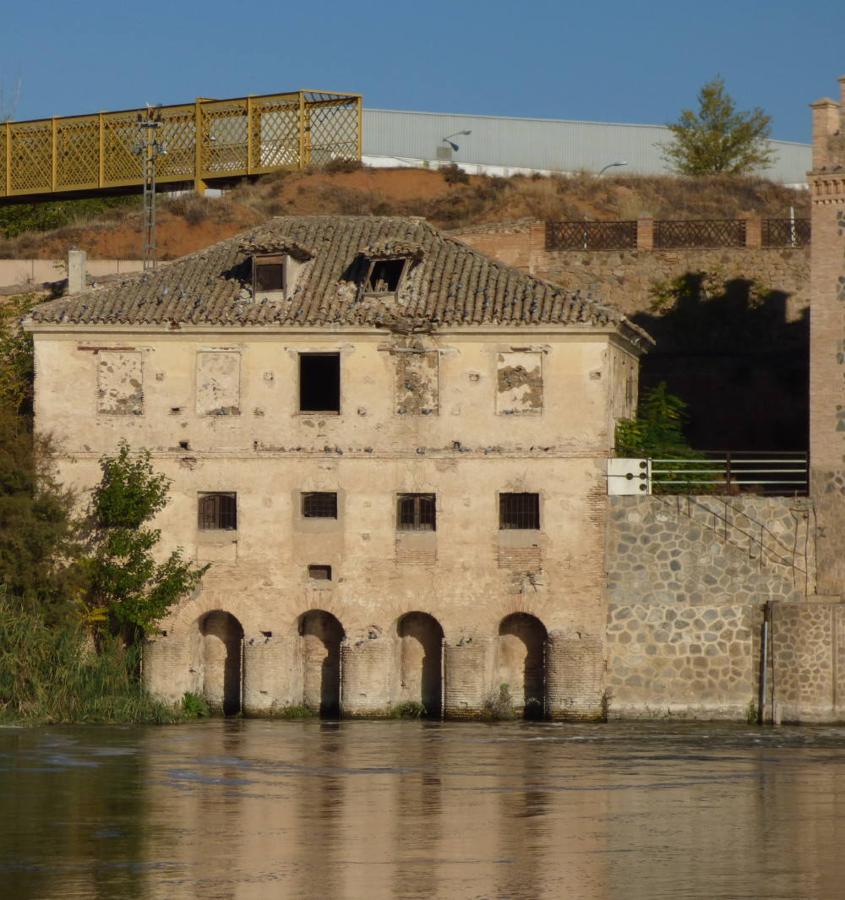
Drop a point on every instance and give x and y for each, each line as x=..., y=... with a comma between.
x=463, y=410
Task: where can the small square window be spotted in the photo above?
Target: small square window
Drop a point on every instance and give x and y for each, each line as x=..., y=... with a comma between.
x=320, y=573
x=269, y=274
x=384, y=276
x=519, y=511
x=416, y=512
x=319, y=505
x=217, y=512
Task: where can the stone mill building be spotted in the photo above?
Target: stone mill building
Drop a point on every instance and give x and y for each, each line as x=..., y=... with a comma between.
x=391, y=449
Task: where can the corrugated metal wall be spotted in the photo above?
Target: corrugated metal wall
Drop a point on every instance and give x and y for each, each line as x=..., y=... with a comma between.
x=544, y=144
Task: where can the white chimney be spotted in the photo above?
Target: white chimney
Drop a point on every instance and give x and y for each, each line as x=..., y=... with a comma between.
x=76, y=281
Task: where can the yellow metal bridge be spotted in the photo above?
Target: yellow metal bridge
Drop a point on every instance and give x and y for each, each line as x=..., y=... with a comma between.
x=206, y=141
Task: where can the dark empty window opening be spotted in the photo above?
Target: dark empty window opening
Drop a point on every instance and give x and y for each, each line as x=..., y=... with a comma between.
x=269, y=275
x=319, y=382
x=218, y=512
x=319, y=505
x=320, y=573
x=519, y=511
x=416, y=512
x=385, y=275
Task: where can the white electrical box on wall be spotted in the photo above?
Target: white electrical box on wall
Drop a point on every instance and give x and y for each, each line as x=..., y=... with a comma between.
x=628, y=477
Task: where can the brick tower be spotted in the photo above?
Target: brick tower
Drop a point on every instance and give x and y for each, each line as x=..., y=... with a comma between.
x=827, y=340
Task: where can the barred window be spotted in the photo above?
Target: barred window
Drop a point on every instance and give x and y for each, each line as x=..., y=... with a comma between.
x=218, y=512
x=519, y=511
x=416, y=512
x=319, y=505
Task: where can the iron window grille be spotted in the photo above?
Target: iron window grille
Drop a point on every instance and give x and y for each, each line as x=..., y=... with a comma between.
x=319, y=505
x=416, y=512
x=268, y=274
x=519, y=511
x=217, y=512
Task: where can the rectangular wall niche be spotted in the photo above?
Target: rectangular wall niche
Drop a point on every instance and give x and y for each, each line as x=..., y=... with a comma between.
x=519, y=384
x=218, y=383
x=417, y=392
x=120, y=383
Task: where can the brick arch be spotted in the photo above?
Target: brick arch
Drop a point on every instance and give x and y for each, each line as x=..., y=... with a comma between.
x=420, y=658
x=189, y=613
x=521, y=662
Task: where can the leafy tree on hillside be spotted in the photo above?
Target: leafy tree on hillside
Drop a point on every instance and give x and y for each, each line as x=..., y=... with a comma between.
x=718, y=138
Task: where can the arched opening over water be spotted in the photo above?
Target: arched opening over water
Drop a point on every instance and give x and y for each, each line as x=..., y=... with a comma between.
x=321, y=635
x=222, y=642
x=521, y=663
x=421, y=662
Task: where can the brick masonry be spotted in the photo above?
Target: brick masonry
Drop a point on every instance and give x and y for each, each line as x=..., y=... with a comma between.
x=827, y=338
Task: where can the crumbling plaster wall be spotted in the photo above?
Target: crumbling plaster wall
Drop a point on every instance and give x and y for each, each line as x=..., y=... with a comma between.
x=468, y=575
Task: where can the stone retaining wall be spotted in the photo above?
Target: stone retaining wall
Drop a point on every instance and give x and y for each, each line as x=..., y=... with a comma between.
x=687, y=584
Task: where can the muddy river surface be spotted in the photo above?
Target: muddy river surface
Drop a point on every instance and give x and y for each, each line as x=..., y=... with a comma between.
x=254, y=809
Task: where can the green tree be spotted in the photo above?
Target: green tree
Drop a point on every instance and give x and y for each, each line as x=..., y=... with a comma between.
x=658, y=429
x=718, y=139
x=129, y=591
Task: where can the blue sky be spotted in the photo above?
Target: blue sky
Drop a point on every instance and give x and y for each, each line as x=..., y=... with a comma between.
x=606, y=61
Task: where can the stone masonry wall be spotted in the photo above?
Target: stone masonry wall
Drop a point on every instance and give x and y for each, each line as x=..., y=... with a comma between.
x=687, y=581
x=625, y=278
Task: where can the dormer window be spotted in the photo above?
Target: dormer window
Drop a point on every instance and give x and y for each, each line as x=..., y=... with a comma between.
x=270, y=274
x=385, y=276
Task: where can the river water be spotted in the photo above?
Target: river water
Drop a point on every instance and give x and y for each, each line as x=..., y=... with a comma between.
x=254, y=809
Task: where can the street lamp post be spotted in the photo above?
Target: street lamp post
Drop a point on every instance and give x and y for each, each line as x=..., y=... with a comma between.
x=610, y=166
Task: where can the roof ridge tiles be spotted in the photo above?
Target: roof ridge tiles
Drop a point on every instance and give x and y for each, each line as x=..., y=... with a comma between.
x=448, y=282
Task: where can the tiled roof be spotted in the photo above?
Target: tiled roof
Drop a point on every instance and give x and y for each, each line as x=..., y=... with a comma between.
x=447, y=283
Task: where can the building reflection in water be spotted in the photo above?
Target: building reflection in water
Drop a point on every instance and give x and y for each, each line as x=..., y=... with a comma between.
x=242, y=809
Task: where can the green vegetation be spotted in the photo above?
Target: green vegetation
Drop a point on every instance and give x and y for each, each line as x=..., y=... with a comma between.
x=51, y=673
x=194, y=706
x=127, y=590
x=718, y=139
x=294, y=712
x=499, y=707
x=658, y=428
x=77, y=592
x=410, y=709
x=17, y=218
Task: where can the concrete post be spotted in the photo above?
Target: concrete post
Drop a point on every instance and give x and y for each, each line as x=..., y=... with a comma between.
x=753, y=231
x=76, y=279
x=645, y=232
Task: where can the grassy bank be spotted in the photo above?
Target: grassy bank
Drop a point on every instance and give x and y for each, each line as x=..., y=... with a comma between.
x=53, y=675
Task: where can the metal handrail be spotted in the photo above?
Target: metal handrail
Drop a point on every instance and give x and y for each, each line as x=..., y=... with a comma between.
x=784, y=470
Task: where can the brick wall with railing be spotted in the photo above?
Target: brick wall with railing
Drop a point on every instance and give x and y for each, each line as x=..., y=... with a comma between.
x=647, y=233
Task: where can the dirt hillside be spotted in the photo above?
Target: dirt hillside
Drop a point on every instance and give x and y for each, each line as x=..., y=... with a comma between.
x=448, y=198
